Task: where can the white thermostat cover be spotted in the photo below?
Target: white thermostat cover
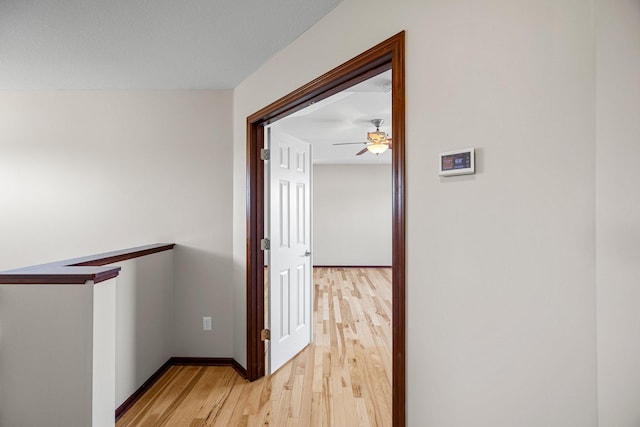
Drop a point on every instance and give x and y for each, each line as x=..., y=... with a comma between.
x=458, y=162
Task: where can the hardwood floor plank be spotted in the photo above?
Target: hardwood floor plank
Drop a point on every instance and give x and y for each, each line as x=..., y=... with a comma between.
x=220, y=384
x=234, y=392
x=342, y=379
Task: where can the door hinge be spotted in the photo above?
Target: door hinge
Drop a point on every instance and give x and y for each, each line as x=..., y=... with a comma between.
x=265, y=334
x=265, y=244
x=265, y=154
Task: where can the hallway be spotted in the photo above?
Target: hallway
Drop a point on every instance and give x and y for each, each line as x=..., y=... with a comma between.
x=342, y=379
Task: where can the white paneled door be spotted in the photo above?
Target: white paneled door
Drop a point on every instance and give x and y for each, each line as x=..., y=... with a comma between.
x=290, y=268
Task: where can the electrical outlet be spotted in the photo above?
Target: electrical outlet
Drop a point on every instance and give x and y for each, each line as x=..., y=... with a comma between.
x=206, y=323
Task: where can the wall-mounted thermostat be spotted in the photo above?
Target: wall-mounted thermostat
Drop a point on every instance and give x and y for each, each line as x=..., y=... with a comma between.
x=458, y=162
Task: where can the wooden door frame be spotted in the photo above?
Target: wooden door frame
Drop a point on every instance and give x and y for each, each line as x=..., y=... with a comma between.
x=388, y=55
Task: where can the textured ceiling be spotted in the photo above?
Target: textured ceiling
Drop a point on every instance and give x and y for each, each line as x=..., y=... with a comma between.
x=146, y=44
x=193, y=44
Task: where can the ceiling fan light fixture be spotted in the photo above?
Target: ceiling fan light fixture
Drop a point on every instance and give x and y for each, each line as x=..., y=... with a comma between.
x=377, y=137
x=378, y=148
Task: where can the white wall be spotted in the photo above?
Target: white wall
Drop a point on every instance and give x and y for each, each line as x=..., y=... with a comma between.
x=144, y=320
x=104, y=369
x=85, y=172
x=48, y=337
x=500, y=274
x=618, y=212
x=352, y=215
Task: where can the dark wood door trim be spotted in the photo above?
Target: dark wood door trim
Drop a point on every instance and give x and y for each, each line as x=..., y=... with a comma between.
x=387, y=55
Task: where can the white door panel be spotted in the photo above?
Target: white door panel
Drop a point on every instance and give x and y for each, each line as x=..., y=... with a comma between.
x=289, y=257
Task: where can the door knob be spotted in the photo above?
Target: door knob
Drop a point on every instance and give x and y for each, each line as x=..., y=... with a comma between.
x=307, y=253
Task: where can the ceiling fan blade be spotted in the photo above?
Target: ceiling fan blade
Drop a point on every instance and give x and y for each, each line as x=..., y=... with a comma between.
x=364, y=150
x=349, y=143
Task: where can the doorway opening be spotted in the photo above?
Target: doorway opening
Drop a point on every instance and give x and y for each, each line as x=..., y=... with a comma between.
x=388, y=55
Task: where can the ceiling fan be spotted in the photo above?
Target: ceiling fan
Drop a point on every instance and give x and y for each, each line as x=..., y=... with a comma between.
x=377, y=142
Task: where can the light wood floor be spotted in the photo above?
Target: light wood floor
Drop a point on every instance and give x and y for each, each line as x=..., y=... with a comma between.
x=342, y=379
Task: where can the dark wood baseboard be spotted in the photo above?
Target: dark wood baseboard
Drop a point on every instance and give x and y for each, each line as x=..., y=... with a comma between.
x=177, y=361
x=120, y=410
x=210, y=361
